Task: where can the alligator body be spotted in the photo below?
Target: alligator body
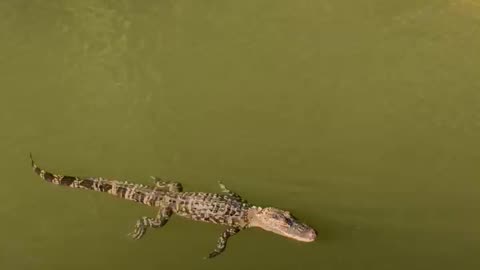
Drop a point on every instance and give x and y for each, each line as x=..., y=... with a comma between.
x=226, y=208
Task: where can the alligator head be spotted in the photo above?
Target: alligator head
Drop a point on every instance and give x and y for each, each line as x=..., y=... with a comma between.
x=280, y=222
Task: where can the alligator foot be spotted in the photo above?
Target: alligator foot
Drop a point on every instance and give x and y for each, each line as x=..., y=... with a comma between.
x=145, y=222
x=222, y=242
x=167, y=185
x=229, y=192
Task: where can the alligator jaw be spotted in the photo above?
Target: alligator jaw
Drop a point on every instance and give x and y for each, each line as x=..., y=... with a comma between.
x=280, y=222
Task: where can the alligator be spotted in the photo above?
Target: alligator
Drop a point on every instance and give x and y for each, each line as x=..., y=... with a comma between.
x=226, y=208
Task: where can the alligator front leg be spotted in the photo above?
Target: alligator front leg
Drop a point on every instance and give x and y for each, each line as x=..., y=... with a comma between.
x=145, y=222
x=166, y=185
x=222, y=241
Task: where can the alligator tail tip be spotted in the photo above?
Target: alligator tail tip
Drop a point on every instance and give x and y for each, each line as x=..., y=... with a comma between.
x=31, y=159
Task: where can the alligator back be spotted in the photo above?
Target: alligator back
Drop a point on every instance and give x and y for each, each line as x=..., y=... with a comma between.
x=210, y=207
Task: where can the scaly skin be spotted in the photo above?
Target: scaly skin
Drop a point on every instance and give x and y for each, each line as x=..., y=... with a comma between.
x=227, y=208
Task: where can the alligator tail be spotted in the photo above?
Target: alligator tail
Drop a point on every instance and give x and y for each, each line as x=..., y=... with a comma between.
x=53, y=178
x=128, y=191
x=97, y=184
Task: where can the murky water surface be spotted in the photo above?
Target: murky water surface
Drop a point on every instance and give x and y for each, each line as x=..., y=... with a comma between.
x=360, y=117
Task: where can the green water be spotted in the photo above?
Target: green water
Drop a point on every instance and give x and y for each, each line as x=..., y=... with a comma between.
x=360, y=117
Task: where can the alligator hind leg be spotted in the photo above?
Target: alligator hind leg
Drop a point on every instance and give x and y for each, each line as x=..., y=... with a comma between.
x=229, y=192
x=222, y=241
x=145, y=222
x=167, y=185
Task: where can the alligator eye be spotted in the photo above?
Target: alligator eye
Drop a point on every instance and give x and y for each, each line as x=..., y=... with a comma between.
x=289, y=222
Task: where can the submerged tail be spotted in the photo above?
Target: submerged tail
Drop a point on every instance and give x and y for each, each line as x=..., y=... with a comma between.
x=129, y=191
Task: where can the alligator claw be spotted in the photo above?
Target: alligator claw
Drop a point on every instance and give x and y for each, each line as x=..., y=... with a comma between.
x=211, y=255
x=139, y=231
x=136, y=234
